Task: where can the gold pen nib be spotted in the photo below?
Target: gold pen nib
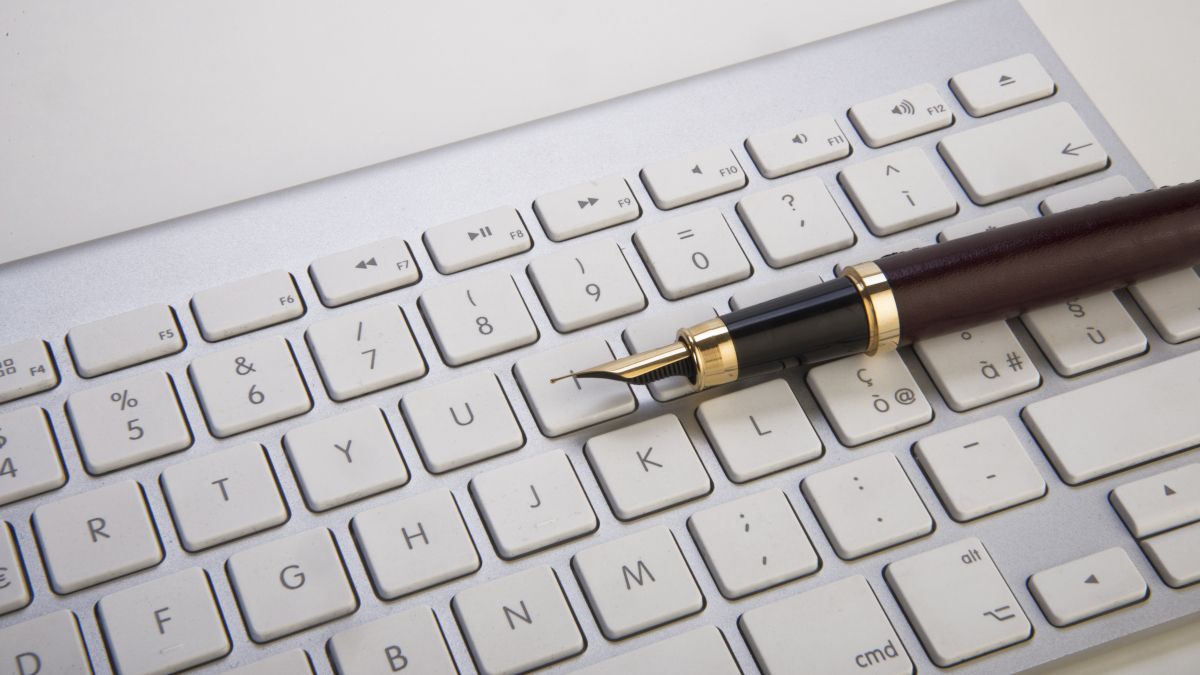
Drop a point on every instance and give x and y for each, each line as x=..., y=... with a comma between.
x=643, y=368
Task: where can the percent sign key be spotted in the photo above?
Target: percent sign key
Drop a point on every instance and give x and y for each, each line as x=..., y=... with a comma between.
x=124, y=399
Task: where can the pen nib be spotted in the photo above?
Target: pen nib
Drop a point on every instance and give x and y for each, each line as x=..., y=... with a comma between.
x=642, y=368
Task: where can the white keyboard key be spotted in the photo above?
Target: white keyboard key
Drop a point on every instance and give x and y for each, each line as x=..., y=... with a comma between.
x=798, y=146
x=792, y=282
x=802, y=629
x=477, y=239
x=364, y=271
x=897, y=191
x=869, y=397
x=26, y=368
x=163, y=626
x=294, y=662
x=702, y=651
x=647, y=467
x=14, y=586
x=586, y=207
x=345, y=458
x=979, y=365
x=692, y=253
x=533, y=504
x=1176, y=555
x=249, y=386
x=753, y=543
x=1022, y=153
x=637, y=582
x=1117, y=423
x=461, y=421
x=759, y=430
x=518, y=623
x=223, y=495
x=478, y=317
x=570, y=404
x=393, y=644
x=692, y=177
x=957, y=601
x=1161, y=502
x=867, y=505
x=1088, y=586
x=30, y=463
x=904, y=114
x=365, y=351
x=586, y=285
x=1172, y=301
x=290, y=584
x=1101, y=190
x=48, y=644
x=661, y=328
x=991, y=221
x=92, y=537
x=979, y=468
x=795, y=222
x=125, y=340
x=247, y=305
x=1085, y=333
x=415, y=543
x=129, y=421
x=1002, y=85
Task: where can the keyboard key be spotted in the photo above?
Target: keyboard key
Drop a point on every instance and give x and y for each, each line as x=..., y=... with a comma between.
x=1002, y=85
x=415, y=543
x=867, y=505
x=586, y=207
x=394, y=643
x=14, y=586
x=247, y=305
x=798, y=146
x=991, y=221
x=1101, y=190
x=477, y=239
x=365, y=351
x=127, y=422
x=977, y=366
x=692, y=253
x=759, y=430
x=904, y=114
x=647, y=467
x=1085, y=333
x=517, y=623
x=692, y=177
x=48, y=644
x=1088, y=587
x=345, y=458
x=533, y=504
x=897, y=191
x=571, y=404
x=478, y=317
x=795, y=222
x=1176, y=555
x=164, y=626
x=223, y=495
x=661, y=328
x=461, y=422
x=92, y=537
x=1120, y=422
x=586, y=285
x=125, y=340
x=1172, y=301
x=869, y=397
x=797, y=280
x=294, y=662
x=1022, y=153
x=802, y=629
x=957, y=601
x=26, y=368
x=1161, y=502
x=364, y=271
x=702, y=651
x=979, y=468
x=30, y=463
x=290, y=584
x=637, y=582
x=753, y=543
x=249, y=386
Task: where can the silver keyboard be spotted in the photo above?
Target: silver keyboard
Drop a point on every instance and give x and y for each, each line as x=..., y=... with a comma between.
x=313, y=431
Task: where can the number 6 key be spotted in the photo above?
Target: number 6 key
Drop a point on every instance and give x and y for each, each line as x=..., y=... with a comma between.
x=249, y=386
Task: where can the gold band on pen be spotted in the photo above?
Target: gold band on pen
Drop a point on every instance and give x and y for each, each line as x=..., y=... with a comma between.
x=883, y=319
x=713, y=353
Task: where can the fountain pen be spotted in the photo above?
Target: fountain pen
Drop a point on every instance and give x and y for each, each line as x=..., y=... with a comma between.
x=877, y=306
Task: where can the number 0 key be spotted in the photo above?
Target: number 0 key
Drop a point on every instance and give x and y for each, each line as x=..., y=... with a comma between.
x=249, y=386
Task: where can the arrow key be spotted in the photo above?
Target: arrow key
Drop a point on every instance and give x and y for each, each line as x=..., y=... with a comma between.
x=1161, y=502
x=1087, y=587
